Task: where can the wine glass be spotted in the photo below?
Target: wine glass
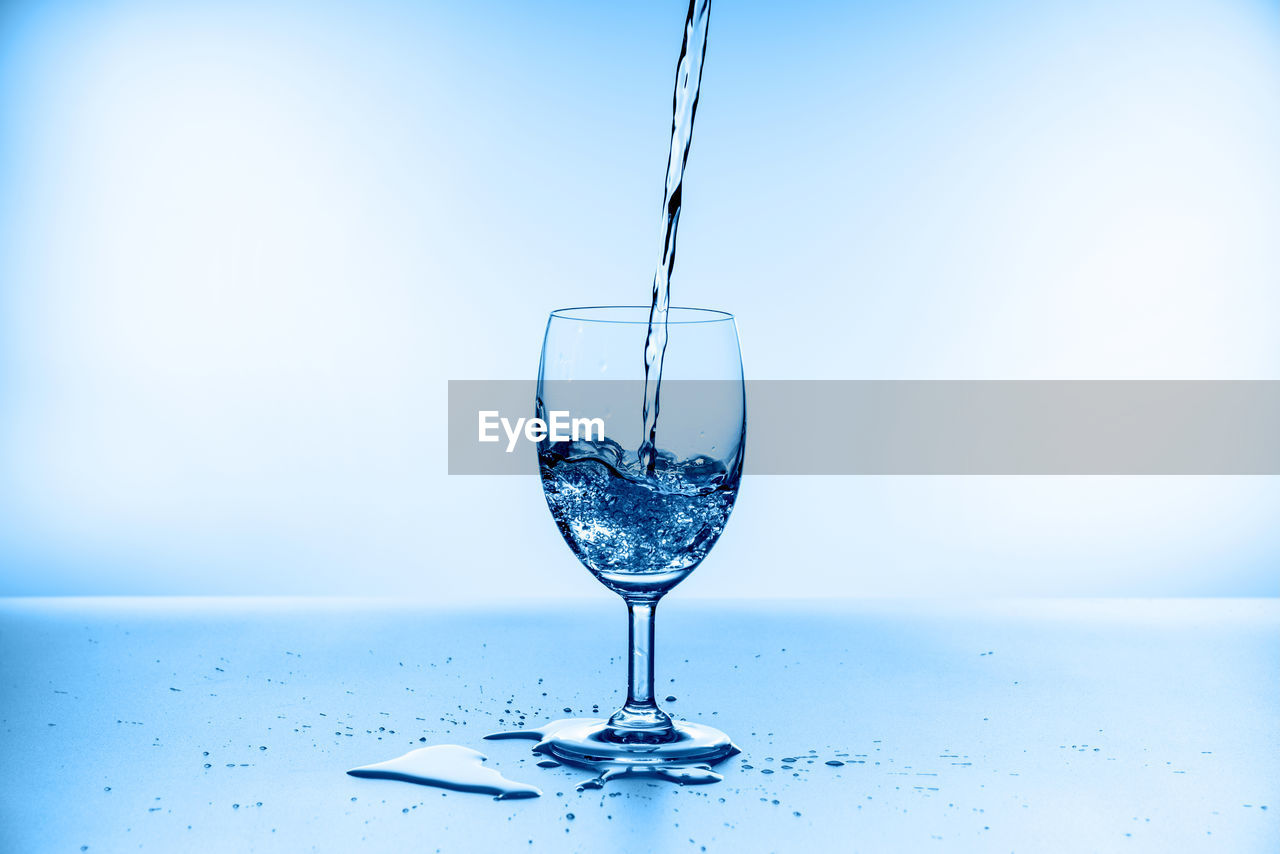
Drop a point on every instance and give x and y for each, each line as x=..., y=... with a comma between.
x=640, y=527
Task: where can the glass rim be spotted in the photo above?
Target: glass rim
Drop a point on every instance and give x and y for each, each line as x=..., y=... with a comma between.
x=701, y=315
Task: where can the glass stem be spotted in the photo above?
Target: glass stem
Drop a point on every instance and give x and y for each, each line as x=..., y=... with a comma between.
x=641, y=719
x=640, y=673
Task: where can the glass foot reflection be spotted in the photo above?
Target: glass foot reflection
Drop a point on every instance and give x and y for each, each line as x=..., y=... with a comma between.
x=591, y=743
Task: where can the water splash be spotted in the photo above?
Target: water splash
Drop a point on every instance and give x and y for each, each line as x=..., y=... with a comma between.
x=684, y=107
x=635, y=533
x=449, y=766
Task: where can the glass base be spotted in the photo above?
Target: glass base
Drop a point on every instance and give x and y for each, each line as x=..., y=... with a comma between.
x=593, y=744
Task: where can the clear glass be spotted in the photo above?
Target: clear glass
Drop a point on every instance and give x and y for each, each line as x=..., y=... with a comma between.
x=641, y=533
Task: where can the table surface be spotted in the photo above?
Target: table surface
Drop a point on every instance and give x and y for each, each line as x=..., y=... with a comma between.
x=228, y=724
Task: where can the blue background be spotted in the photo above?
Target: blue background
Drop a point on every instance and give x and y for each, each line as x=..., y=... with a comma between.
x=244, y=245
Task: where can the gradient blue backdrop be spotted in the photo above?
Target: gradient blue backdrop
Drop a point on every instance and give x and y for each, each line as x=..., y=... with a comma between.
x=244, y=245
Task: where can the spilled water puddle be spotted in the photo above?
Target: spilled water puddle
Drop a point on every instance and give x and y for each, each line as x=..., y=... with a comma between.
x=448, y=766
x=452, y=766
